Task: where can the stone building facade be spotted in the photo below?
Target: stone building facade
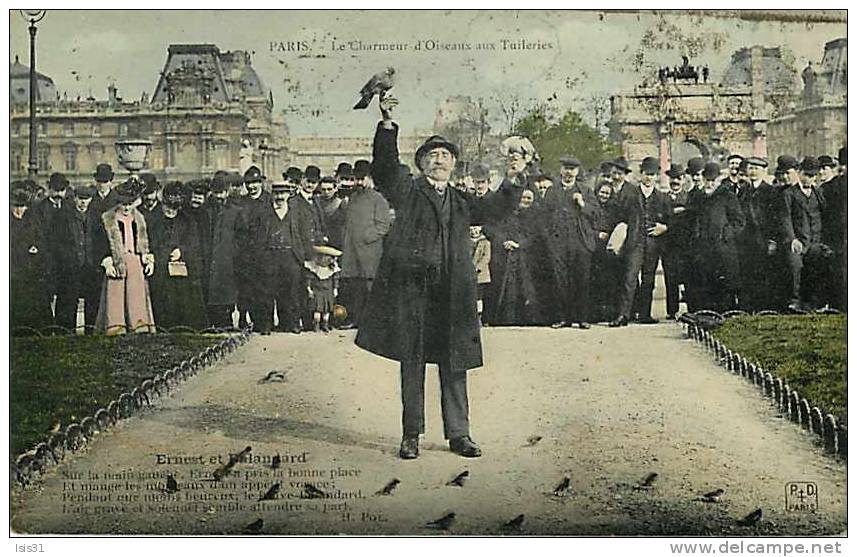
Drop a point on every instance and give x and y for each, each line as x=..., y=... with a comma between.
x=675, y=120
x=205, y=105
x=817, y=120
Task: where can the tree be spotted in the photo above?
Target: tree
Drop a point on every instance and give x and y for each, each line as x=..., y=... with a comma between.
x=566, y=135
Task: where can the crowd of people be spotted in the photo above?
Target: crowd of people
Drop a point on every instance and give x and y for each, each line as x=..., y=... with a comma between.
x=301, y=253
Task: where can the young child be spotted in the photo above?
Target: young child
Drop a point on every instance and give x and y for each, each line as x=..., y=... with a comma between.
x=481, y=259
x=322, y=285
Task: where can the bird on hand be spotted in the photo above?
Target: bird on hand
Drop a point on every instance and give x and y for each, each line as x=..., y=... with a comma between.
x=378, y=84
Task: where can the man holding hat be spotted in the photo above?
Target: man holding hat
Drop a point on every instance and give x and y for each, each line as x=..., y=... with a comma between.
x=279, y=253
x=646, y=211
x=72, y=253
x=803, y=205
x=571, y=241
x=422, y=307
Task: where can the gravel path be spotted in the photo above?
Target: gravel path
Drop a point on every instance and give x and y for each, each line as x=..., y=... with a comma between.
x=610, y=405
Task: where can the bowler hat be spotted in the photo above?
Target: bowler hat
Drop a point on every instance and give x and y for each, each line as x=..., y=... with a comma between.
x=200, y=186
x=604, y=167
x=826, y=160
x=675, y=171
x=103, y=173
x=253, y=175
x=293, y=174
x=569, y=161
x=19, y=197
x=786, y=162
x=312, y=173
x=711, y=170
x=621, y=164
x=362, y=168
x=220, y=182
x=84, y=192
x=433, y=142
x=757, y=161
x=174, y=193
x=150, y=183
x=327, y=250
x=809, y=166
x=344, y=170
x=695, y=165
x=650, y=165
x=57, y=182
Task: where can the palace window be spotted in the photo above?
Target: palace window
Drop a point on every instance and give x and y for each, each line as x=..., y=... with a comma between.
x=16, y=161
x=123, y=130
x=43, y=155
x=43, y=128
x=68, y=129
x=69, y=153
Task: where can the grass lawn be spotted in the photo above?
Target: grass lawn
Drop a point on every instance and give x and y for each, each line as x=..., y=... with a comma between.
x=809, y=352
x=65, y=378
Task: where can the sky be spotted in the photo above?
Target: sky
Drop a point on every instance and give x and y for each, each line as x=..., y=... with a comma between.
x=573, y=56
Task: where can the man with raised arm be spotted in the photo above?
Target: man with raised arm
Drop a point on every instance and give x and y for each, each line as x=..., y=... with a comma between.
x=422, y=307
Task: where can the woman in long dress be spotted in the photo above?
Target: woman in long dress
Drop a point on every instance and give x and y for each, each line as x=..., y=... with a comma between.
x=177, y=283
x=122, y=246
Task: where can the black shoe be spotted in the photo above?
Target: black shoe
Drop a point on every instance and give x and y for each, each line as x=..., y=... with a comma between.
x=265, y=332
x=648, y=320
x=558, y=325
x=296, y=330
x=325, y=327
x=584, y=325
x=410, y=448
x=464, y=446
x=620, y=321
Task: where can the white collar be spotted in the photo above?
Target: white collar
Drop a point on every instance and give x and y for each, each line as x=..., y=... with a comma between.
x=439, y=187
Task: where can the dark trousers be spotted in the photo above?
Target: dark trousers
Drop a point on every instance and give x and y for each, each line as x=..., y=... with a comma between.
x=355, y=292
x=573, y=269
x=453, y=400
x=281, y=281
x=671, y=259
x=641, y=263
x=82, y=282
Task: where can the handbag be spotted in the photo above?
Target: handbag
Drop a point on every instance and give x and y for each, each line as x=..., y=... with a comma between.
x=177, y=268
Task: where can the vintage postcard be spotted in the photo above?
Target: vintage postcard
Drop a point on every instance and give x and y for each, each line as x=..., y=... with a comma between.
x=419, y=273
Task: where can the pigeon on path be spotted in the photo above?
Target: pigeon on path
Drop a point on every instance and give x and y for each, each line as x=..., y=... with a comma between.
x=458, y=481
x=443, y=523
x=751, y=519
x=378, y=84
x=514, y=524
x=389, y=488
x=271, y=494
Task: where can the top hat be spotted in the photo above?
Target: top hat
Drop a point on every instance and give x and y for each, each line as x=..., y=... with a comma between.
x=695, y=166
x=433, y=142
x=650, y=165
x=621, y=164
x=674, y=171
x=711, y=170
x=312, y=173
x=174, y=193
x=253, y=175
x=103, y=173
x=293, y=174
x=57, y=182
x=569, y=162
x=362, y=168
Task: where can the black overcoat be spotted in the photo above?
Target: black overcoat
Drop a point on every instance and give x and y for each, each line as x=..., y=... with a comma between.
x=406, y=318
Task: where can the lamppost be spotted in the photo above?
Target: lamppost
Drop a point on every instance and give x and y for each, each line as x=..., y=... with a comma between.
x=33, y=17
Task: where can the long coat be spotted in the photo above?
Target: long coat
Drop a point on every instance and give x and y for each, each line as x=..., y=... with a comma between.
x=405, y=319
x=29, y=296
x=795, y=219
x=367, y=221
x=718, y=223
x=226, y=223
